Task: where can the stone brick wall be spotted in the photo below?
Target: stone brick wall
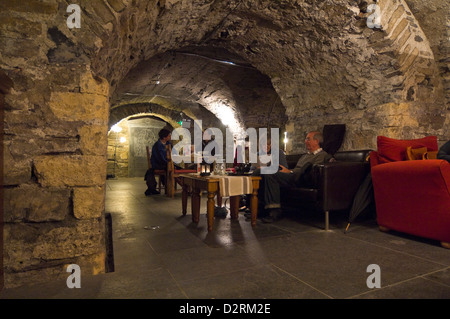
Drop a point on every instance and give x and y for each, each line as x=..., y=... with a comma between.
x=55, y=166
x=5, y=86
x=409, y=101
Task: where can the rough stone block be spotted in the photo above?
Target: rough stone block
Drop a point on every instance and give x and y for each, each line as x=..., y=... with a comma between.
x=15, y=171
x=84, y=238
x=40, y=252
x=70, y=106
x=64, y=170
x=426, y=71
x=102, y=10
x=33, y=6
x=32, y=203
x=18, y=246
x=19, y=27
x=410, y=59
x=23, y=48
x=93, y=139
x=399, y=28
x=394, y=18
x=92, y=264
x=35, y=276
x=88, y=202
x=34, y=145
x=117, y=5
x=402, y=40
x=93, y=85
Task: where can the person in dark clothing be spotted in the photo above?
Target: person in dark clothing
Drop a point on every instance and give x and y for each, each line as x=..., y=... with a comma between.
x=271, y=183
x=158, y=160
x=444, y=152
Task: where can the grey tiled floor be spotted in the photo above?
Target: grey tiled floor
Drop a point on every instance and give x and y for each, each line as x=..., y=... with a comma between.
x=162, y=255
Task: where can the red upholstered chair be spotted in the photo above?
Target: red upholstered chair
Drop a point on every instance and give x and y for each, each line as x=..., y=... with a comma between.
x=411, y=196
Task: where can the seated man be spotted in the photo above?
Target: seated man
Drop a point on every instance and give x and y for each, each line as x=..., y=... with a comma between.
x=444, y=152
x=271, y=183
x=158, y=160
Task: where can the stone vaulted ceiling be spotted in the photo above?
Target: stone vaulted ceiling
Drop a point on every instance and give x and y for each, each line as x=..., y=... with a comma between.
x=319, y=56
x=298, y=64
x=201, y=82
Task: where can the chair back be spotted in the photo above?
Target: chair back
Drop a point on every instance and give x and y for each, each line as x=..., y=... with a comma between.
x=149, y=157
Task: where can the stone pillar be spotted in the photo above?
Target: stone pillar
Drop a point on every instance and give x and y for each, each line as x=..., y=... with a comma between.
x=56, y=174
x=5, y=86
x=2, y=106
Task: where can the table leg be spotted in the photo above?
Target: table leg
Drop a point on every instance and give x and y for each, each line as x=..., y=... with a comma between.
x=184, y=197
x=219, y=200
x=195, y=205
x=254, y=205
x=210, y=210
x=234, y=206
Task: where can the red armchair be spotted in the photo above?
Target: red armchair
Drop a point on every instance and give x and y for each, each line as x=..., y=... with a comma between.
x=412, y=197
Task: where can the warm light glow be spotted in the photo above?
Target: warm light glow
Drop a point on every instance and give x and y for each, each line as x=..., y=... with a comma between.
x=285, y=140
x=226, y=115
x=116, y=128
x=205, y=169
x=123, y=139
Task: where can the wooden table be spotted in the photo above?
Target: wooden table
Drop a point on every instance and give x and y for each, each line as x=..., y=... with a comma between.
x=194, y=183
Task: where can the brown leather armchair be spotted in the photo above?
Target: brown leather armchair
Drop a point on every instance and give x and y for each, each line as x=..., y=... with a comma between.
x=332, y=185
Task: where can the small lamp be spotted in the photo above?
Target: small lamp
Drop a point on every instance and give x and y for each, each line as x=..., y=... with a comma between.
x=205, y=169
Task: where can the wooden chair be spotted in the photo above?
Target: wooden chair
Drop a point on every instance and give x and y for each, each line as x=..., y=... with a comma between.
x=158, y=172
x=171, y=174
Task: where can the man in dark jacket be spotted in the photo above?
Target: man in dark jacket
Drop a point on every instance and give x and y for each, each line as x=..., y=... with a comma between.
x=158, y=160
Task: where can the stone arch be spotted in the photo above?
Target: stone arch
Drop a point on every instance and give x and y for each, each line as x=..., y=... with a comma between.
x=149, y=109
x=172, y=80
x=127, y=147
x=355, y=86
x=401, y=37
